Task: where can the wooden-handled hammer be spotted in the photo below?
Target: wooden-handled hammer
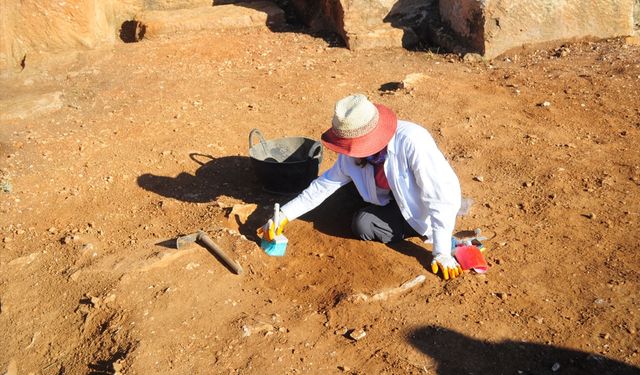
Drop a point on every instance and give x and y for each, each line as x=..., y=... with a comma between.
x=202, y=238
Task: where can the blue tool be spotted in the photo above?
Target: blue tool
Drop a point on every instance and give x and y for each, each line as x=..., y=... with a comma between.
x=278, y=246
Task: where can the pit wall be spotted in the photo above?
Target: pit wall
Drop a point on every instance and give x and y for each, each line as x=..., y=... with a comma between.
x=490, y=27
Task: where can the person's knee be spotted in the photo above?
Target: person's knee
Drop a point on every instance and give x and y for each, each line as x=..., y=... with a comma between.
x=361, y=225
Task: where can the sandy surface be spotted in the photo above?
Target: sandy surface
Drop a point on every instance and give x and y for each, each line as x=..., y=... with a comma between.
x=151, y=142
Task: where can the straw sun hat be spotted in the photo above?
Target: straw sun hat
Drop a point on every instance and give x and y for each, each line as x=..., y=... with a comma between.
x=359, y=128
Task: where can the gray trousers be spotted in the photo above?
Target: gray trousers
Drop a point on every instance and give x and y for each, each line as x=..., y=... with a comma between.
x=381, y=223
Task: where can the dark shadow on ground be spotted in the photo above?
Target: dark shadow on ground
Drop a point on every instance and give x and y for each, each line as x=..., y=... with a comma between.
x=230, y=176
x=333, y=217
x=234, y=177
x=420, y=252
x=459, y=354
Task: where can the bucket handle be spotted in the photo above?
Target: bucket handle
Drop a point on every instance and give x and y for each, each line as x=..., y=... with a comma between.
x=262, y=141
x=315, y=152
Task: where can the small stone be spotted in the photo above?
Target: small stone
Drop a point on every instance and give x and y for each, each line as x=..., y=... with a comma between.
x=545, y=104
x=555, y=367
x=7, y=239
x=527, y=184
x=344, y=368
x=246, y=331
x=501, y=295
x=412, y=80
x=357, y=334
x=472, y=58
x=67, y=239
x=590, y=215
x=6, y=186
x=605, y=336
x=632, y=40
x=478, y=178
x=52, y=230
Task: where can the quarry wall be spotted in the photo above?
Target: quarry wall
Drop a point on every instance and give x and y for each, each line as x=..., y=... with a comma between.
x=490, y=27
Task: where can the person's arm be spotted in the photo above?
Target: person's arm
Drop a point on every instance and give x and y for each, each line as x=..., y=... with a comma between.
x=439, y=192
x=319, y=190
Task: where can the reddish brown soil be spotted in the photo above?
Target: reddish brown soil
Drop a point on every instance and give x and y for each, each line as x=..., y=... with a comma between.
x=152, y=143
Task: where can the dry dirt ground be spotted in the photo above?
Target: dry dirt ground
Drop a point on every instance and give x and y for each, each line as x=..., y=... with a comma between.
x=152, y=143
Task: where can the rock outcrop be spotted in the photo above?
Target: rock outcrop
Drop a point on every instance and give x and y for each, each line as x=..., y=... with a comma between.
x=492, y=27
x=31, y=27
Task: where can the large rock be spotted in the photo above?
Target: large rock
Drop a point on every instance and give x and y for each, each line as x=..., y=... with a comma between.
x=492, y=27
x=258, y=13
x=31, y=27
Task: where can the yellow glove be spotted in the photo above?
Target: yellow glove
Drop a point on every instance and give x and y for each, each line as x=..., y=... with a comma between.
x=450, y=268
x=270, y=230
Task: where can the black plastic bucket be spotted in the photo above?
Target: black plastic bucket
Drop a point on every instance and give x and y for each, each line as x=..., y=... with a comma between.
x=285, y=165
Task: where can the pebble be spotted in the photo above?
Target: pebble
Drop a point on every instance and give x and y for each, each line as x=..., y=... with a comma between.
x=6, y=186
x=357, y=334
x=7, y=239
x=555, y=367
x=527, y=184
x=545, y=104
x=344, y=368
x=590, y=215
x=472, y=58
x=478, y=178
x=501, y=295
x=52, y=230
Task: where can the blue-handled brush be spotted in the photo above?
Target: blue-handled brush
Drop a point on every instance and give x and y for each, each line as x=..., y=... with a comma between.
x=278, y=246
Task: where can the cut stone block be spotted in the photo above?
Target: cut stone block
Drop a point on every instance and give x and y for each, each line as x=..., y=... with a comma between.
x=492, y=27
x=259, y=13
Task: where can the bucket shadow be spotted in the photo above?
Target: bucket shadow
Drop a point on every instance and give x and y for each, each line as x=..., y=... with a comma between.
x=456, y=353
x=230, y=176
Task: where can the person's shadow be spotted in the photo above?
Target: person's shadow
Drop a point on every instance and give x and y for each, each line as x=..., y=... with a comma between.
x=456, y=354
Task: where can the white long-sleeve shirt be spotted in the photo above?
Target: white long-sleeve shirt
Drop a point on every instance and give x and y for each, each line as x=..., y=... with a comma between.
x=423, y=183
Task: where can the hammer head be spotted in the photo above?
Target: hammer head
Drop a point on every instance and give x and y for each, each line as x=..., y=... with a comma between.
x=183, y=241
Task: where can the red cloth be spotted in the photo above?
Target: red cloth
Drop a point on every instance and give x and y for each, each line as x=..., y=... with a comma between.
x=381, y=178
x=470, y=257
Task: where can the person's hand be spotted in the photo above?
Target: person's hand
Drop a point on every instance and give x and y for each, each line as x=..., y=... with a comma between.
x=449, y=266
x=274, y=227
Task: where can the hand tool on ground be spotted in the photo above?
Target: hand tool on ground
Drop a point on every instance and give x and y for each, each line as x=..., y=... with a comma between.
x=202, y=238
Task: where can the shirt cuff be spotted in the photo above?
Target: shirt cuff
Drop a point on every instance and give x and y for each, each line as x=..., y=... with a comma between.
x=442, y=242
